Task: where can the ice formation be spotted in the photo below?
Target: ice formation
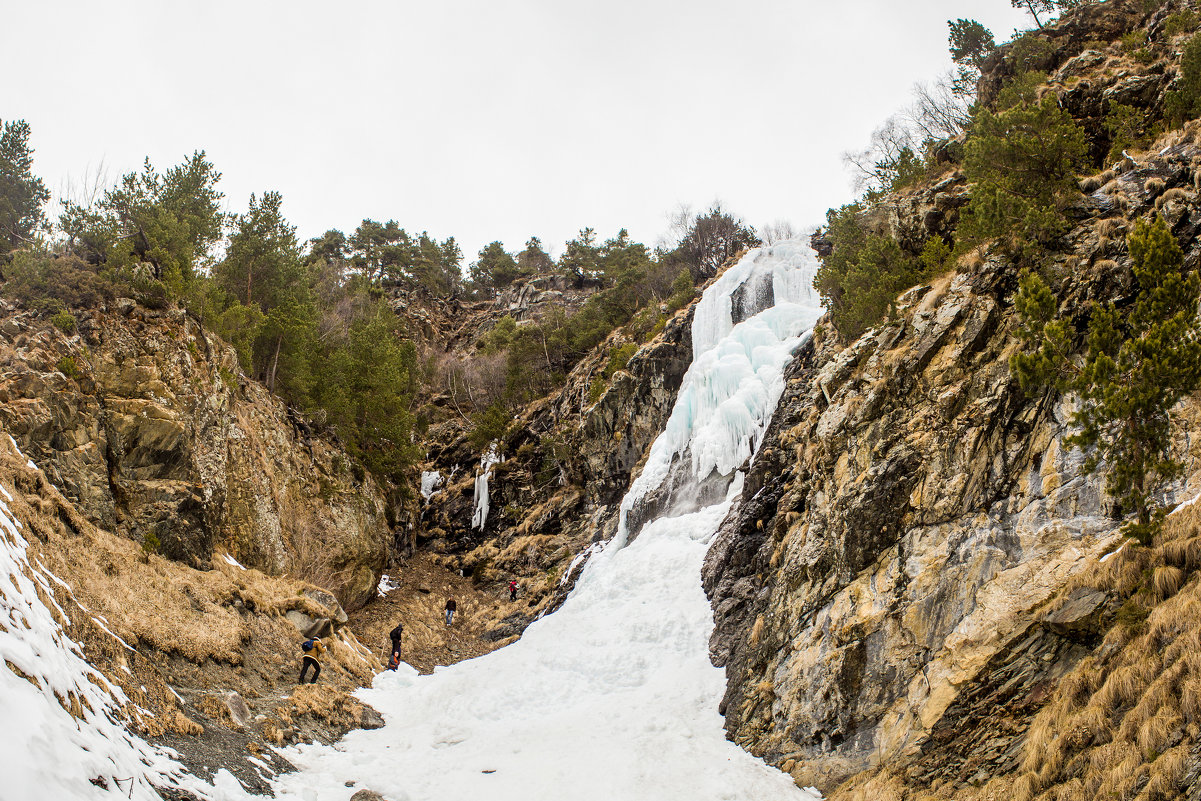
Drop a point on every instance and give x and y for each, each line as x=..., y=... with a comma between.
x=613, y=695
x=491, y=458
x=431, y=482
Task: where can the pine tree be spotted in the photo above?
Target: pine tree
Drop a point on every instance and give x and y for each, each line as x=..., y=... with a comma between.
x=970, y=43
x=21, y=194
x=495, y=268
x=170, y=221
x=1022, y=160
x=1137, y=364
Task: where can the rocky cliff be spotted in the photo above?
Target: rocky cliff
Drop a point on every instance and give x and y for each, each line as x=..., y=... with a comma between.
x=144, y=421
x=918, y=594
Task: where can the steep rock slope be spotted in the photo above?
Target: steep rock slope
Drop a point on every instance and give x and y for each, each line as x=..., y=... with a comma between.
x=910, y=584
x=143, y=419
x=567, y=460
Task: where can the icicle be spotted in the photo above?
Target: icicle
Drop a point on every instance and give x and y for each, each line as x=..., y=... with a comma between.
x=480, y=516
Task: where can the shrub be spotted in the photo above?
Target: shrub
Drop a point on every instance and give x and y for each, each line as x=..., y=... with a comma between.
x=47, y=284
x=863, y=273
x=1183, y=22
x=619, y=357
x=1022, y=160
x=66, y=366
x=1183, y=102
x=64, y=321
x=1125, y=125
x=489, y=425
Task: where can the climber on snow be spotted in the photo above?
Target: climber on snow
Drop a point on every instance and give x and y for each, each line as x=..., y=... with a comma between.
x=394, y=636
x=451, y=606
x=311, y=650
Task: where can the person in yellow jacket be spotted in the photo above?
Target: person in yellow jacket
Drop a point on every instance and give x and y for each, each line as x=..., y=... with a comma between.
x=311, y=651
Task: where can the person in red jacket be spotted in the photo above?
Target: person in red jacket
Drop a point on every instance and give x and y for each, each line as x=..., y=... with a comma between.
x=513, y=590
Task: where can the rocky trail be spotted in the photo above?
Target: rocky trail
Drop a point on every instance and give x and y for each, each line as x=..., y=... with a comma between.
x=417, y=597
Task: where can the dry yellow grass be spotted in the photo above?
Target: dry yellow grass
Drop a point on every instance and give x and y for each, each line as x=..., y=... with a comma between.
x=165, y=614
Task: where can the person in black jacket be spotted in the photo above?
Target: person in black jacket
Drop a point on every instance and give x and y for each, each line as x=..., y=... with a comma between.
x=394, y=636
x=451, y=606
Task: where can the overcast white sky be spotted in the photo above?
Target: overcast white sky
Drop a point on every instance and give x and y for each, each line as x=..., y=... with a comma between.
x=481, y=119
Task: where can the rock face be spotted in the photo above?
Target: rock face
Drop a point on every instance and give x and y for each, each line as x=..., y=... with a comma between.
x=895, y=590
x=533, y=298
x=144, y=421
x=568, y=459
x=910, y=513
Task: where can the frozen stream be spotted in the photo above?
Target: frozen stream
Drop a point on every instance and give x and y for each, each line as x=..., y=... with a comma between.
x=612, y=696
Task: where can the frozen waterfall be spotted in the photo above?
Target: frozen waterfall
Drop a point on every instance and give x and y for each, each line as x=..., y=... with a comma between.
x=612, y=696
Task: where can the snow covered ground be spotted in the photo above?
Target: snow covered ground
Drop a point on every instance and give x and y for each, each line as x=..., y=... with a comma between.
x=612, y=696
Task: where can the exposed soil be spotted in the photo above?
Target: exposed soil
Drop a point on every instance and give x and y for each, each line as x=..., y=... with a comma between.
x=486, y=619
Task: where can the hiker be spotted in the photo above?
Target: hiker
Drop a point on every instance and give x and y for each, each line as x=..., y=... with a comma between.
x=451, y=606
x=395, y=638
x=311, y=650
x=513, y=590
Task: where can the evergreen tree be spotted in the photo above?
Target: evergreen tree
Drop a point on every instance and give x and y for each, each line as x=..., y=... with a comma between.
x=264, y=271
x=1137, y=364
x=970, y=43
x=1022, y=160
x=534, y=261
x=170, y=221
x=581, y=257
x=380, y=250
x=495, y=268
x=22, y=195
x=1183, y=102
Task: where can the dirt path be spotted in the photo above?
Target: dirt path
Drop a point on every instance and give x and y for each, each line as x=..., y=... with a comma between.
x=419, y=601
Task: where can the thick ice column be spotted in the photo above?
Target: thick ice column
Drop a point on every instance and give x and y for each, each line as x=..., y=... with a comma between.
x=491, y=458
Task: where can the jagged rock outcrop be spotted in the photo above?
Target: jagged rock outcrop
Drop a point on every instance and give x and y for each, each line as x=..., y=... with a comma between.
x=909, y=516
x=143, y=419
x=534, y=298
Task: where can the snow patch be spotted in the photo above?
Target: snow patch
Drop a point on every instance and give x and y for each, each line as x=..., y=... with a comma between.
x=385, y=586
x=229, y=560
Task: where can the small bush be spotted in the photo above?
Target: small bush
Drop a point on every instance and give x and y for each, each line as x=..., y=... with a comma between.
x=48, y=284
x=1184, y=101
x=66, y=366
x=64, y=321
x=489, y=425
x=1030, y=52
x=619, y=357
x=1126, y=126
x=1182, y=22
x=151, y=543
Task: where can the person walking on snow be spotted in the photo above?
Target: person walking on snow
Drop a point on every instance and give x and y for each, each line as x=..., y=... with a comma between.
x=311, y=651
x=451, y=606
x=513, y=590
x=395, y=638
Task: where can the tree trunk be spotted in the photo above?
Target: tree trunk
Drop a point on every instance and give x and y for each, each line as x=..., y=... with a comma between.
x=275, y=364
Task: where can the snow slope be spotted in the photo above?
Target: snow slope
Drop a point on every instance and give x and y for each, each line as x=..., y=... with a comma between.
x=612, y=696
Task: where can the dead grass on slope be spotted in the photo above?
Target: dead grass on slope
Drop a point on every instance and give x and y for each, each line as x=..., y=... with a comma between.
x=147, y=623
